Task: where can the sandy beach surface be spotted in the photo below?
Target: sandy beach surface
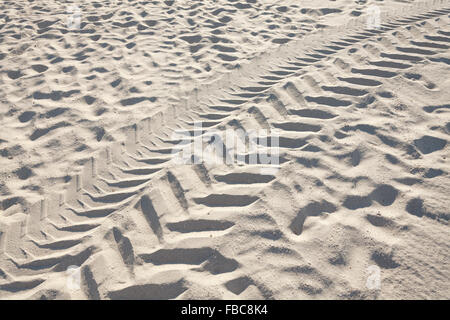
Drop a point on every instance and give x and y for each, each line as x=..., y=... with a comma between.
x=121, y=175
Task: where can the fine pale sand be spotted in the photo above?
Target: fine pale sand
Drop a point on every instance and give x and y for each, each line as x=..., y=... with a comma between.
x=93, y=204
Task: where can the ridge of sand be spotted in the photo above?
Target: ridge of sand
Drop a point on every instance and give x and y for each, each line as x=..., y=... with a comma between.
x=342, y=200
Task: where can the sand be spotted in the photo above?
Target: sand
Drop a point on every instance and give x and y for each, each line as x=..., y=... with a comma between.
x=95, y=205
